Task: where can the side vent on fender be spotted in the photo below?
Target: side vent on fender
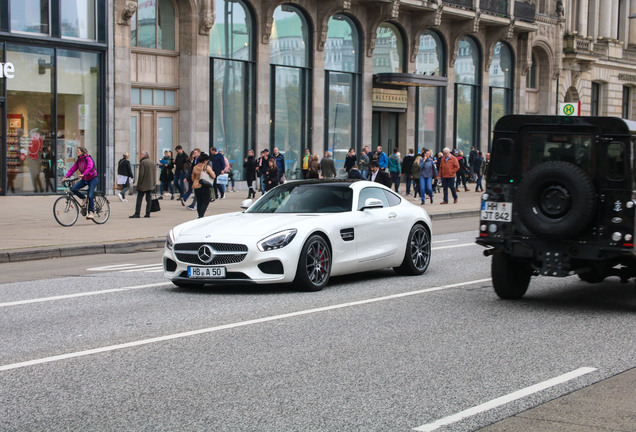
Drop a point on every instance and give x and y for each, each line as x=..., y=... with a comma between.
x=347, y=234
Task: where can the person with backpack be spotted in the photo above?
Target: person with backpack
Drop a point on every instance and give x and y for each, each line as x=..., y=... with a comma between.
x=86, y=167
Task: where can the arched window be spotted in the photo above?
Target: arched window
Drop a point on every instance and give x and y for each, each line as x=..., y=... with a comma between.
x=153, y=25
x=388, y=54
x=467, y=95
x=232, y=82
x=501, y=82
x=431, y=61
x=290, y=76
x=342, y=82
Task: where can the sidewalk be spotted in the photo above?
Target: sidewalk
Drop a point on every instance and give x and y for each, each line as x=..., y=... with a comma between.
x=29, y=230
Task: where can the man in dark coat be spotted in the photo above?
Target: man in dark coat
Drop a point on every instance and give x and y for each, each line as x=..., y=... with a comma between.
x=379, y=176
x=146, y=183
x=217, y=160
x=179, y=172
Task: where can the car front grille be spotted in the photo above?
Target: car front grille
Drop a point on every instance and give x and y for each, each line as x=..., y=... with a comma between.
x=224, y=253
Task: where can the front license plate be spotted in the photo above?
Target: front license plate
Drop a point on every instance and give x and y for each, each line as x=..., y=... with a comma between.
x=496, y=211
x=206, y=272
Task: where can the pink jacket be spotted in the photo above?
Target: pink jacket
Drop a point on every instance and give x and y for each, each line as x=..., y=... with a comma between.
x=86, y=167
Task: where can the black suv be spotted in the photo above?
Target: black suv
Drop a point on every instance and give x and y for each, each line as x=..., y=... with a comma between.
x=559, y=200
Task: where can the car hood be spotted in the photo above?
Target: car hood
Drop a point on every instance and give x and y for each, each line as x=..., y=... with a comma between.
x=239, y=225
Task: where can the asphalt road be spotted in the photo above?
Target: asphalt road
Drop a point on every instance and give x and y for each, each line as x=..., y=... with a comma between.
x=119, y=348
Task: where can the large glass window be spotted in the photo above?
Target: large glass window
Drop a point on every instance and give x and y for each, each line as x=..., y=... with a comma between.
x=31, y=127
x=388, y=54
x=467, y=90
x=290, y=86
x=341, y=81
x=232, y=81
x=501, y=81
x=30, y=16
x=430, y=61
x=153, y=25
x=78, y=18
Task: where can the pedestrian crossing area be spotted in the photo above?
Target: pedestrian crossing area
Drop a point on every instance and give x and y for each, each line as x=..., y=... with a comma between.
x=129, y=268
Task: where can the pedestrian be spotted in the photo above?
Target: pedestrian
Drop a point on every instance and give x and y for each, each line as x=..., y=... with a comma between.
x=364, y=163
x=249, y=170
x=261, y=168
x=314, y=168
x=350, y=160
x=86, y=167
x=194, y=156
x=48, y=162
x=280, y=164
x=305, y=162
x=327, y=166
x=383, y=161
x=124, y=176
x=472, y=156
x=448, y=167
x=479, y=165
x=354, y=173
x=407, y=169
x=462, y=172
x=217, y=160
x=415, y=175
x=202, y=173
x=395, y=168
x=271, y=175
x=146, y=183
x=166, y=176
x=377, y=175
x=428, y=171
x=180, y=172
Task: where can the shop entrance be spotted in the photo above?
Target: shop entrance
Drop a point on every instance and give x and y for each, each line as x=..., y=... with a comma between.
x=385, y=130
x=154, y=132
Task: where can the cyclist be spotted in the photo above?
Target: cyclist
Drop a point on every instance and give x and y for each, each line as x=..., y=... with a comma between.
x=86, y=166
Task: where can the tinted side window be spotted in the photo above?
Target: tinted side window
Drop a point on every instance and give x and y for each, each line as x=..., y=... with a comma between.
x=615, y=161
x=543, y=147
x=372, y=192
x=392, y=198
x=502, y=157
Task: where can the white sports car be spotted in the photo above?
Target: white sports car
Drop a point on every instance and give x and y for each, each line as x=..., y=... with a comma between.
x=302, y=232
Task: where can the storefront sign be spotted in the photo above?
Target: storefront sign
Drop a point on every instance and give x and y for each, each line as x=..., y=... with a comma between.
x=7, y=70
x=388, y=98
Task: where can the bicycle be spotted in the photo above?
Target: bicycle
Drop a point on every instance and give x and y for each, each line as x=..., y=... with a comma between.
x=67, y=208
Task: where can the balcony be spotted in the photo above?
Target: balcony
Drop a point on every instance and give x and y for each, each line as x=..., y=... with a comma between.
x=495, y=7
x=525, y=10
x=468, y=4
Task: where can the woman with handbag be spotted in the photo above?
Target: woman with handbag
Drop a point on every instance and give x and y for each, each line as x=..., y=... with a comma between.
x=202, y=180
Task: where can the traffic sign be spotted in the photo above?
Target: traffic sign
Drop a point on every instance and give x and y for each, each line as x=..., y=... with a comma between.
x=571, y=109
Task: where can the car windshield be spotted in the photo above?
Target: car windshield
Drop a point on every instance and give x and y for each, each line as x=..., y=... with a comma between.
x=305, y=198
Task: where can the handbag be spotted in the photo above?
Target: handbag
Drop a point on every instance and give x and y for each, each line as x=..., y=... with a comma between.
x=222, y=179
x=154, y=204
x=205, y=178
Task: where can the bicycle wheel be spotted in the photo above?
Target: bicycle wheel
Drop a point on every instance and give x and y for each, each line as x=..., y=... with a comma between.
x=65, y=210
x=102, y=209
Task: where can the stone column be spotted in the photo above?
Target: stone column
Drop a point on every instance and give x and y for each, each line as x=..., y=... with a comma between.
x=614, y=20
x=605, y=21
x=632, y=24
x=581, y=17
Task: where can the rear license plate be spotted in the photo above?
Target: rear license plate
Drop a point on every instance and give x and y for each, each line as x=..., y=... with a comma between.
x=206, y=272
x=496, y=211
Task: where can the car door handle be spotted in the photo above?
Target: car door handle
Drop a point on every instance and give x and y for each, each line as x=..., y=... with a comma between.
x=392, y=215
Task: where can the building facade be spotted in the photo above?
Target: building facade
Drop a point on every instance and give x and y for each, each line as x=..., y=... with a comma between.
x=121, y=76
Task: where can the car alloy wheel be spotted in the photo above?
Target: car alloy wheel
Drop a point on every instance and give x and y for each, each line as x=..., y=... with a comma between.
x=314, y=265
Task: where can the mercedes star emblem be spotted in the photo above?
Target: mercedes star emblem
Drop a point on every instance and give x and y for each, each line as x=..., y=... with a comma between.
x=205, y=253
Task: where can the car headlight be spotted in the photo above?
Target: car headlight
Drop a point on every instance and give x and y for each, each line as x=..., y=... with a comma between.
x=277, y=240
x=170, y=240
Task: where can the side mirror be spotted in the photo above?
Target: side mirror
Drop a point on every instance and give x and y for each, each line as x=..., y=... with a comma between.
x=245, y=204
x=372, y=203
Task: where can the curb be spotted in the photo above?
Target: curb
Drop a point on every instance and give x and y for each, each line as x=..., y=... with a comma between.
x=71, y=251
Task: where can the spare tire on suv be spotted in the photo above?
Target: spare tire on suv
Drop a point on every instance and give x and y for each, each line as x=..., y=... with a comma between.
x=556, y=199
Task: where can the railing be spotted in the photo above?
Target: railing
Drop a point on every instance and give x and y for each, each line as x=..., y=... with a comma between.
x=525, y=11
x=497, y=7
x=464, y=3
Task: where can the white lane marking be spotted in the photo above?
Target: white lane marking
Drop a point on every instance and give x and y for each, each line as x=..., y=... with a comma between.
x=122, y=267
x=155, y=271
x=444, y=241
x=454, y=246
x=230, y=326
x=505, y=399
x=144, y=268
x=85, y=294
